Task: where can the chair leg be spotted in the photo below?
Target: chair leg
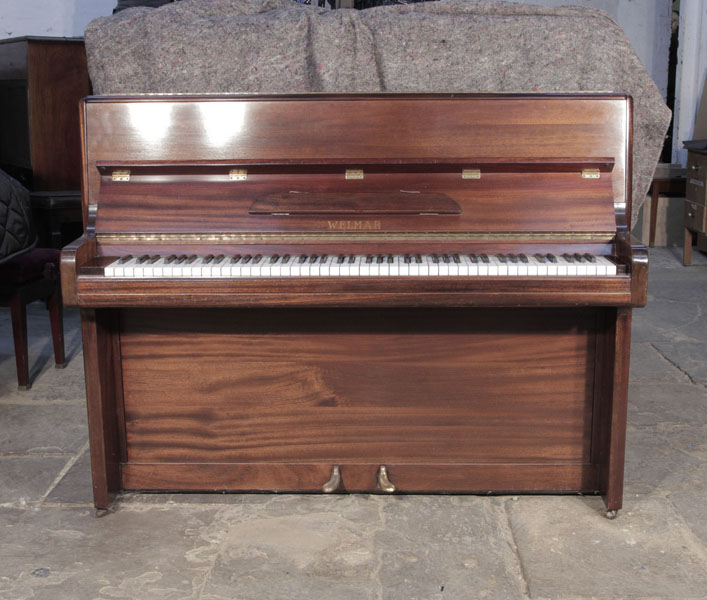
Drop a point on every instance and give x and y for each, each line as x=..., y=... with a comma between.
x=56, y=318
x=18, y=311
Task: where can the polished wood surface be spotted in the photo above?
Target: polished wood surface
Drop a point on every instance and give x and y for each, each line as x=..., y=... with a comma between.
x=41, y=83
x=453, y=384
x=351, y=128
x=308, y=382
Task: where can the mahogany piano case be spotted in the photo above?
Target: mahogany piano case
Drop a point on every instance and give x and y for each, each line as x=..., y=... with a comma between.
x=357, y=293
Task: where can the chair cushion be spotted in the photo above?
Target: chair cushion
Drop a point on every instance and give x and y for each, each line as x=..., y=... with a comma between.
x=28, y=265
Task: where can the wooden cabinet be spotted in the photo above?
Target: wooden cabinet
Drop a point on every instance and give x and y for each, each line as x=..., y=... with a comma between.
x=41, y=83
x=694, y=221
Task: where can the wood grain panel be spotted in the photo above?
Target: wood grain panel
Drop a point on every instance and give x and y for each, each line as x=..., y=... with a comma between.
x=95, y=290
x=560, y=202
x=216, y=386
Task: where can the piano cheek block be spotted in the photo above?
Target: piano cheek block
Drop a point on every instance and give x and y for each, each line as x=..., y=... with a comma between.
x=374, y=305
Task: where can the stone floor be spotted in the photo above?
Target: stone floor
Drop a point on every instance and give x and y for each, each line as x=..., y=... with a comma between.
x=213, y=547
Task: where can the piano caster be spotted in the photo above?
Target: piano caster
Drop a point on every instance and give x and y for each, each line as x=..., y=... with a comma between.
x=334, y=481
x=384, y=484
x=611, y=514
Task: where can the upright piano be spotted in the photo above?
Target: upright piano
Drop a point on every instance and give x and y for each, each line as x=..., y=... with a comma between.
x=357, y=293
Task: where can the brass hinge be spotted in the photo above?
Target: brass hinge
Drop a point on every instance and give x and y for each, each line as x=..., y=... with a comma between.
x=471, y=174
x=121, y=175
x=238, y=175
x=590, y=173
x=354, y=174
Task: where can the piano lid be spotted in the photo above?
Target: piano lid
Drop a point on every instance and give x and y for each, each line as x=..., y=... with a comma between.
x=341, y=164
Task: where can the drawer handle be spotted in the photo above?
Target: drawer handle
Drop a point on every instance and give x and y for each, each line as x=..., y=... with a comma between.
x=695, y=167
x=384, y=484
x=334, y=481
x=690, y=214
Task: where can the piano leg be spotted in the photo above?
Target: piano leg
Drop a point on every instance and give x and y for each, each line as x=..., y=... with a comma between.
x=103, y=388
x=613, y=397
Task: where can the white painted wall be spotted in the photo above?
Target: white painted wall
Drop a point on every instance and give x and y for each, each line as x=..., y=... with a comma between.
x=691, y=73
x=55, y=18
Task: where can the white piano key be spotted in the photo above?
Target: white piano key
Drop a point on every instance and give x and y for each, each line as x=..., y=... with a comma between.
x=395, y=266
x=537, y=268
x=607, y=266
x=443, y=267
x=355, y=267
x=432, y=266
x=513, y=268
x=463, y=266
x=335, y=267
x=384, y=268
x=404, y=268
x=365, y=267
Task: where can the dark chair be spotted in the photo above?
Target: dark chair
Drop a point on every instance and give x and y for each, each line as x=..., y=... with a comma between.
x=31, y=276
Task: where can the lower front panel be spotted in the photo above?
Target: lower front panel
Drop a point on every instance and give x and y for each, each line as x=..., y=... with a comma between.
x=448, y=400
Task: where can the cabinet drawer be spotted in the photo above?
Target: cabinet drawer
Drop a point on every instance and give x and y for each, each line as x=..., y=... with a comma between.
x=696, y=178
x=694, y=216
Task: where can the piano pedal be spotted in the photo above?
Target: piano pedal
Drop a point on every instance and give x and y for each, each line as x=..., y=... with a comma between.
x=334, y=481
x=384, y=484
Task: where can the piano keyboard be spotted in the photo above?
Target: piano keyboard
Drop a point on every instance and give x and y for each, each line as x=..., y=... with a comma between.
x=352, y=265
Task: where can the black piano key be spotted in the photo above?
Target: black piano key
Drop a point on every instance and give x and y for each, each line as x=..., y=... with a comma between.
x=257, y=259
x=578, y=257
x=191, y=259
x=513, y=258
x=390, y=258
x=407, y=259
x=181, y=258
x=352, y=259
x=236, y=258
x=418, y=259
x=541, y=257
x=552, y=258
x=472, y=258
x=285, y=259
x=274, y=258
x=456, y=258
x=219, y=259
x=154, y=258
x=302, y=258
x=445, y=258
x=341, y=259
x=435, y=258
x=523, y=258
x=247, y=258
x=589, y=258
x=502, y=258
x=313, y=259
x=170, y=259
x=143, y=259
x=123, y=259
x=322, y=258
x=379, y=259
x=369, y=259
x=208, y=259
x=568, y=257
x=484, y=258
